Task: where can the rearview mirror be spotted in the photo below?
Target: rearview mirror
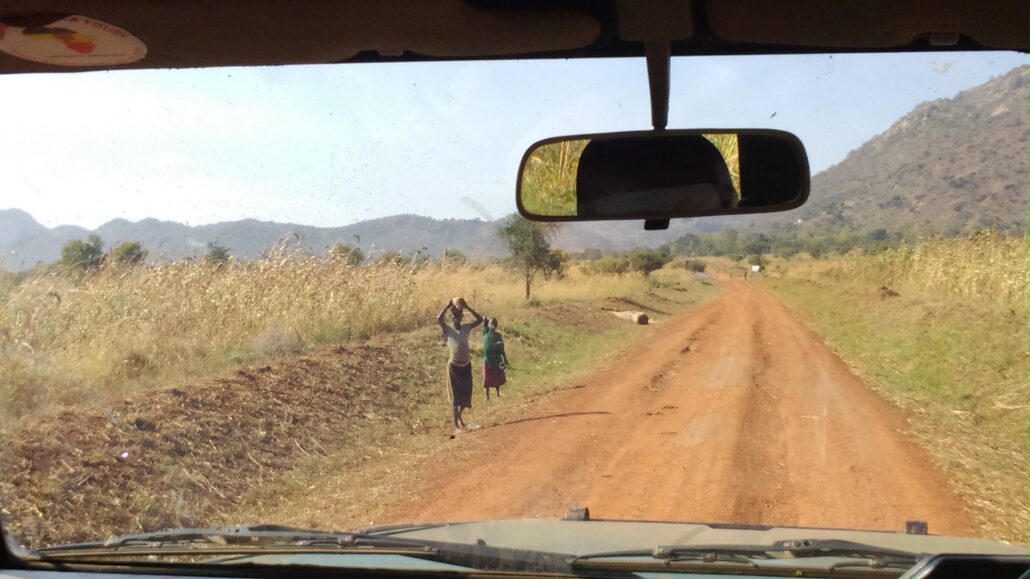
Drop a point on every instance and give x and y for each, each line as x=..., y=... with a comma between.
x=662, y=175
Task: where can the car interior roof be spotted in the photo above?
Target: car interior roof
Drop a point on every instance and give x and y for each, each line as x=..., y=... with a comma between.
x=202, y=33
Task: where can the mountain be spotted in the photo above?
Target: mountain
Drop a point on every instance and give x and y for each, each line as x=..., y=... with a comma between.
x=947, y=166
x=24, y=242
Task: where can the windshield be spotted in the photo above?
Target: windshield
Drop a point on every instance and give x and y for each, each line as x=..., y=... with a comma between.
x=301, y=296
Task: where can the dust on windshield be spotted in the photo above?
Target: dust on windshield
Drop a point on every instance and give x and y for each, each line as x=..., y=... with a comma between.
x=302, y=296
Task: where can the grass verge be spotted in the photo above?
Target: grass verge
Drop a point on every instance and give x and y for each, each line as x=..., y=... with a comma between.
x=958, y=369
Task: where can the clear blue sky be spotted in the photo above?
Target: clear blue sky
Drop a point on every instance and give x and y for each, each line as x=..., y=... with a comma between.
x=331, y=145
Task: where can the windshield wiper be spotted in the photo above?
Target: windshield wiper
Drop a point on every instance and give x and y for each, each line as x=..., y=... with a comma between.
x=219, y=539
x=754, y=557
x=277, y=540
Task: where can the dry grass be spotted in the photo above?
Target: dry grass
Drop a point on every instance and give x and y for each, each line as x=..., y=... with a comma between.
x=985, y=268
x=66, y=340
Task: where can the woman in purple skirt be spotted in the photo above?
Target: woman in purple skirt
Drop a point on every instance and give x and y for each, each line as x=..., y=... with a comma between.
x=494, y=358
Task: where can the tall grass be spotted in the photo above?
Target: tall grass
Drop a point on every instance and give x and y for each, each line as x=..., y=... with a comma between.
x=65, y=338
x=950, y=350
x=985, y=267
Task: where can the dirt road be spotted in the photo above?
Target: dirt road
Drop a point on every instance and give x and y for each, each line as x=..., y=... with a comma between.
x=735, y=412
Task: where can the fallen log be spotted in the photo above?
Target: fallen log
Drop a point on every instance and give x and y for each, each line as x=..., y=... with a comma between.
x=635, y=317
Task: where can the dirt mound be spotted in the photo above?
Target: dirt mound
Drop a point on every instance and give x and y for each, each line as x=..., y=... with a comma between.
x=588, y=317
x=620, y=304
x=182, y=456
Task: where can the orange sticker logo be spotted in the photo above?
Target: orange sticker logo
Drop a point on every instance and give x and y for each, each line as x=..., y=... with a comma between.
x=73, y=41
x=81, y=43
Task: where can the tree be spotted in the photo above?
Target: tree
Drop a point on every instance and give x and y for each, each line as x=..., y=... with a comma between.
x=609, y=264
x=756, y=243
x=529, y=246
x=555, y=264
x=84, y=255
x=647, y=260
x=216, y=254
x=128, y=253
x=346, y=253
x=393, y=258
x=453, y=256
x=724, y=242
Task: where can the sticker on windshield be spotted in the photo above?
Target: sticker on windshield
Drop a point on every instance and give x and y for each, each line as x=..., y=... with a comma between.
x=72, y=41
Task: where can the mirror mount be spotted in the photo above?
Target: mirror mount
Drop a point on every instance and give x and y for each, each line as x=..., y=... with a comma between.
x=659, y=65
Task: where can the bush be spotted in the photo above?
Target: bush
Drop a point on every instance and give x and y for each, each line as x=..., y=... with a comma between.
x=694, y=265
x=609, y=265
x=393, y=258
x=346, y=253
x=216, y=254
x=453, y=256
x=83, y=255
x=647, y=260
x=128, y=253
x=278, y=340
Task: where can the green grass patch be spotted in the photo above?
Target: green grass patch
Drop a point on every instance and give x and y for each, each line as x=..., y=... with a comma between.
x=958, y=369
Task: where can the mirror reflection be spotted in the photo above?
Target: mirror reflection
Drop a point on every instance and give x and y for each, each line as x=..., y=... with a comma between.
x=662, y=174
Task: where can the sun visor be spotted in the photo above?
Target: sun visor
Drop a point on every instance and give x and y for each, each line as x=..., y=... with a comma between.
x=235, y=32
x=861, y=23
x=654, y=20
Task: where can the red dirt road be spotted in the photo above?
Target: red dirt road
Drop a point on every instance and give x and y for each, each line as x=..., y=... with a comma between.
x=735, y=412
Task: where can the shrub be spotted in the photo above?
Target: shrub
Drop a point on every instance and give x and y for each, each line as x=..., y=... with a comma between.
x=128, y=253
x=277, y=340
x=216, y=254
x=83, y=255
x=694, y=265
x=646, y=261
x=346, y=253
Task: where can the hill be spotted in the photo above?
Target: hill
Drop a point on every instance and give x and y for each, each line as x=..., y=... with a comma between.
x=24, y=242
x=949, y=165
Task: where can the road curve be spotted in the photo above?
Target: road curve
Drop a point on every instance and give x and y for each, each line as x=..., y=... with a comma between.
x=734, y=412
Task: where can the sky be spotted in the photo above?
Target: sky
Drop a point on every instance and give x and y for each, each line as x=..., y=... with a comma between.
x=336, y=144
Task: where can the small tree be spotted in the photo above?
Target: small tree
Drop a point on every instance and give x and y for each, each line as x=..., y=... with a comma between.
x=84, y=255
x=217, y=254
x=393, y=258
x=555, y=264
x=528, y=244
x=647, y=260
x=453, y=256
x=346, y=253
x=128, y=253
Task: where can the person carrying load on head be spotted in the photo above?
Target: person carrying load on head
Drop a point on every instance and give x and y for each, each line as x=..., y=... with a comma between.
x=459, y=365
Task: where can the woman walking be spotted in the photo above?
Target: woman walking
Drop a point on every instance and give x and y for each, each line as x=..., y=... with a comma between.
x=459, y=366
x=494, y=358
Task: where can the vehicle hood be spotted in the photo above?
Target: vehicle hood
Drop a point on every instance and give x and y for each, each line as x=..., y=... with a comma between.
x=594, y=536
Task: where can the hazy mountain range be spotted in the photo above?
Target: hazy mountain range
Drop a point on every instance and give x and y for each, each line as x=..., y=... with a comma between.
x=949, y=164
